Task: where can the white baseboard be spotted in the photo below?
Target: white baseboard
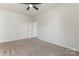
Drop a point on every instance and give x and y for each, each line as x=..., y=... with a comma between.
x=3, y=41
x=60, y=45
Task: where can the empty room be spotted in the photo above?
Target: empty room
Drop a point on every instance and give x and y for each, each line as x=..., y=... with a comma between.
x=39, y=29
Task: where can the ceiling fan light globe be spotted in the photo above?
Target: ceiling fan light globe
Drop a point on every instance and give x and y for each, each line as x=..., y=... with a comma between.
x=31, y=5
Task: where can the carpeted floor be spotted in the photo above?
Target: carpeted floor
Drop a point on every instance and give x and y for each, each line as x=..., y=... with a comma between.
x=34, y=47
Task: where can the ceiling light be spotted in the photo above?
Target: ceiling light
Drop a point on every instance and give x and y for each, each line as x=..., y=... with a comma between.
x=30, y=5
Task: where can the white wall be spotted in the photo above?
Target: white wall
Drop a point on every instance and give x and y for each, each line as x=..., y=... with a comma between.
x=14, y=26
x=60, y=26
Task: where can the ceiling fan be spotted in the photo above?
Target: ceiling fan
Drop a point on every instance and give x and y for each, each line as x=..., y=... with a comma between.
x=31, y=5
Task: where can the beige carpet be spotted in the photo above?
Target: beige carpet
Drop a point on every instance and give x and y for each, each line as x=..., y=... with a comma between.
x=33, y=47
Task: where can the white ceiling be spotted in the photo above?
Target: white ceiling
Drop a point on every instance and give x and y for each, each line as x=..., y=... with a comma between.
x=21, y=8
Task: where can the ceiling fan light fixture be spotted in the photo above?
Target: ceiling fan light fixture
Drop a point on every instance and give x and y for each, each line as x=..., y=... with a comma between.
x=30, y=5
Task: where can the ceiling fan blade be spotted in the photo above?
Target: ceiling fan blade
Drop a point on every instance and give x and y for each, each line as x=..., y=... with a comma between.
x=35, y=7
x=35, y=3
x=28, y=8
x=24, y=3
x=31, y=3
